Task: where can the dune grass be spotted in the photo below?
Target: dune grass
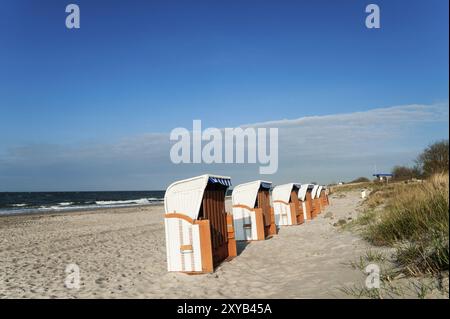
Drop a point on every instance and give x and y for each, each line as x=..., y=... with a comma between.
x=410, y=219
x=415, y=221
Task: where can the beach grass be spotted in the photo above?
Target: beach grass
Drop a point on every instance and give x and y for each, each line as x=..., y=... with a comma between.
x=413, y=218
x=416, y=220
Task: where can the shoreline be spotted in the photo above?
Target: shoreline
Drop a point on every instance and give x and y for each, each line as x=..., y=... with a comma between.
x=76, y=210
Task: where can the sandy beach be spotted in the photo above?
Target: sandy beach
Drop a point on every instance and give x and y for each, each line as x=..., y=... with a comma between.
x=121, y=254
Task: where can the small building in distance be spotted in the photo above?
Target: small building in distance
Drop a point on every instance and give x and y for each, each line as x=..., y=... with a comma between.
x=383, y=176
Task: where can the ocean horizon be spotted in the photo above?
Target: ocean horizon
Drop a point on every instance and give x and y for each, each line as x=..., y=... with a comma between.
x=12, y=203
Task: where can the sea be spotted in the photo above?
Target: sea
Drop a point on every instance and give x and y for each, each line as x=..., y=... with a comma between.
x=41, y=202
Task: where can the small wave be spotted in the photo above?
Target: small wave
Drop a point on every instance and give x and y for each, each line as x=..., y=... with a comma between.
x=74, y=206
x=117, y=202
x=141, y=201
x=65, y=204
x=64, y=208
x=154, y=199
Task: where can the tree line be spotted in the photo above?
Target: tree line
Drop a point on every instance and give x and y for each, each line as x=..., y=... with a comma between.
x=434, y=159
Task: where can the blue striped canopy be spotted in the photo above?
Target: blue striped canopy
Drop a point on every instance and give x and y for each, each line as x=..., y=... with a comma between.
x=224, y=181
x=266, y=185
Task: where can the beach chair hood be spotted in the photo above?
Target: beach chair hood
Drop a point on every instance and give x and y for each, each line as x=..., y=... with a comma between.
x=303, y=190
x=283, y=192
x=246, y=194
x=314, y=191
x=185, y=196
x=319, y=190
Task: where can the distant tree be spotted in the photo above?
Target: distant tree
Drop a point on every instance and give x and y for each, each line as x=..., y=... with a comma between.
x=360, y=180
x=404, y=172
x=434, y=159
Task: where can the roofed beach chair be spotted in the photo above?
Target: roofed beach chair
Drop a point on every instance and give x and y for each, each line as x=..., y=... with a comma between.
x=286, y=205
x=199, y=233
x=304, y=195
x=315, y=201
x=324, y=201
x=253, y=215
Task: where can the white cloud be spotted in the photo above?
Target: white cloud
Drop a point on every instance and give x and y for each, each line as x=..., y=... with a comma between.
x=320, y=148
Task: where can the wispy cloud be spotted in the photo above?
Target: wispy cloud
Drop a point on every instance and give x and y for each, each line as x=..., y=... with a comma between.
x=317, y=148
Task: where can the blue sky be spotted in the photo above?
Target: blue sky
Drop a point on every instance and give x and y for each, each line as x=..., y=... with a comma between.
x=137, y=69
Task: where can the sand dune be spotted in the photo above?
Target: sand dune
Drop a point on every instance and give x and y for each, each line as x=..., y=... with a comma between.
x=121, y=254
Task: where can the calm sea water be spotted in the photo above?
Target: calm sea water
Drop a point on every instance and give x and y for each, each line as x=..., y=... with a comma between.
x=19, y=203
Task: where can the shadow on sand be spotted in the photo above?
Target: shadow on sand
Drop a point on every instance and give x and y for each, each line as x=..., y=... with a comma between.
x=240, y=246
